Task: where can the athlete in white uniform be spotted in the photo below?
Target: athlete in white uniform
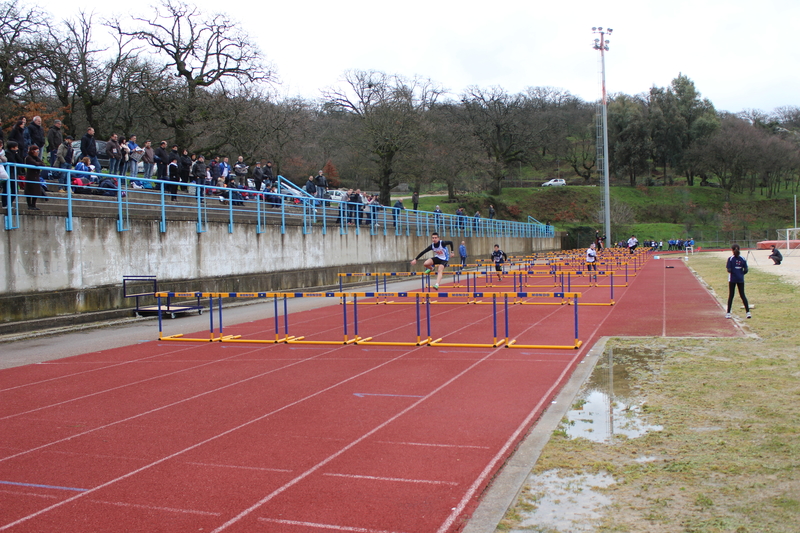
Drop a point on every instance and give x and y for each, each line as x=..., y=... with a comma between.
x=441, y=256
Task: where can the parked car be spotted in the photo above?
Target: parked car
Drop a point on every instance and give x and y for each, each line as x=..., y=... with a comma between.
x=101, y=154
x=554, y=183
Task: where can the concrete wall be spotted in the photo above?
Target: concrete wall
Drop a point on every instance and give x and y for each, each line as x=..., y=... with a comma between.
x=46, y=271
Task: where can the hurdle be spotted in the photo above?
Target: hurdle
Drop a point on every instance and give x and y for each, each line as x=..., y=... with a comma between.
x=217, y=335
x=179, y=336
x=578, y=343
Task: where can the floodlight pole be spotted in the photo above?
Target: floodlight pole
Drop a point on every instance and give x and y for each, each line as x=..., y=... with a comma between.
x=602, y=45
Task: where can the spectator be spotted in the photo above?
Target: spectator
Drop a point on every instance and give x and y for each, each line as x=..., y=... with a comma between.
x=415, y=200
x=162, y=160
x=4, y=177
x=148, y=159
x=89, y=148
x=225, y=169
x=184, y=169
x=477, y=220
x=398, y=206
x=240, y=170
x=135, y=154
x=34, y=135
x=17, y=134
x=174, y=178
x=437, y=217
x=462, y=252
x=199, y=173
x=54, y=139
x=776, y=256
x=491, y=212
x=125, y=152
x=322, y=184
x=64, y=158
x=258, y=176
x=33, y=189
x=114, y=155
x=268, y=176
x=310, y=187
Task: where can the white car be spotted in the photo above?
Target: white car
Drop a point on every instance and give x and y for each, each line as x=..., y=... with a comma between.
x=554, y=183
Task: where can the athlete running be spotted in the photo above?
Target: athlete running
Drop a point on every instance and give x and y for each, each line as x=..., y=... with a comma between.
x=499, y=257
x=441, y=256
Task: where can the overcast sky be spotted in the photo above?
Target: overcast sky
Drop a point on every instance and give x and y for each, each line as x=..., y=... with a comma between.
x=740, y=54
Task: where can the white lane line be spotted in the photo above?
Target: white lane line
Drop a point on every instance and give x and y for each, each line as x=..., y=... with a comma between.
x=325, y=526
x=155, y=410
x=132, y=383
x=156, y=508
x=241, y=467
x=402, y=480
x=18, y=493
x=434, y=444
x=346, y=448
x=194, y=446
x=458, y=509
x=88, y=371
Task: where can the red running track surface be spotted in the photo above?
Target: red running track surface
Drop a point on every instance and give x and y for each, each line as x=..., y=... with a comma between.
x=178, y=437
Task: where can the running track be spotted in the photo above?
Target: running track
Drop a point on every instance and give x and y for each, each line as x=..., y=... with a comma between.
x=174, y=437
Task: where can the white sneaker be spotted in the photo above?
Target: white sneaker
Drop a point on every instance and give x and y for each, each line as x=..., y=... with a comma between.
x=436, y=287
x=727, y=315
x=748, y=315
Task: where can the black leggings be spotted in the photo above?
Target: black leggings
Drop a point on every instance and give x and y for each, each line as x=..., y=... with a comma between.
x=732, y=285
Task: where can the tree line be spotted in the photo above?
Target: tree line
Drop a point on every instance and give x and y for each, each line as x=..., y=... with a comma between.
x=197, y=80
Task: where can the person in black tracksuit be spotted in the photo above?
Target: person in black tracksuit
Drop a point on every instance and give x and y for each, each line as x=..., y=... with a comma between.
x=737, y=268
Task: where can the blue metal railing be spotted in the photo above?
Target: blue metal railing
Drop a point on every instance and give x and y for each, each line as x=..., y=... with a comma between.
x=246, y=207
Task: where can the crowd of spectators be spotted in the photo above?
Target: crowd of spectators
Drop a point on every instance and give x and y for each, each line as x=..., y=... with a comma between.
x=182, y=169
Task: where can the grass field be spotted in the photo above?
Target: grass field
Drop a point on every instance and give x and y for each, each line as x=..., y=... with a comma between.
x=728, y=457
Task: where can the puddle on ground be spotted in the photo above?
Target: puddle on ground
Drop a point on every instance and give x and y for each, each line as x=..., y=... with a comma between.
x=562, y=503
x=608, y=405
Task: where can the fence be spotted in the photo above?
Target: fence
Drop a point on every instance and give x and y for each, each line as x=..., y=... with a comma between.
x=119, y=198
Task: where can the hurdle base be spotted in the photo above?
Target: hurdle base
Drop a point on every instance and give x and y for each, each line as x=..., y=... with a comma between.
x=367, y=341
x=496, y=344
x=513, y=344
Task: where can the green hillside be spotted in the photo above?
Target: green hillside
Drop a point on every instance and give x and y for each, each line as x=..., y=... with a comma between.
x=658, y=213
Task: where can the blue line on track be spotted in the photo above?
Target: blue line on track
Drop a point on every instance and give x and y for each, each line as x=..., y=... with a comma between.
x=41, y=486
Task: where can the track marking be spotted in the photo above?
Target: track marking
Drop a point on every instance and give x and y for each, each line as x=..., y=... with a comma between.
x=17, y=493
x=242, y=467
x=434, y=445
x=41, y=486
x=325, y=526
x=360, y=439
x=88, y=371
x=155, y=508
x=362, y=394
x=192, y=447
x=119, y=387
x=487, y=471
x=402, y=480
x=151, y=411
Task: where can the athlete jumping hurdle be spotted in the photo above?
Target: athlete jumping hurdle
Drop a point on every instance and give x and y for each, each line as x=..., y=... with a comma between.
x=441, y=256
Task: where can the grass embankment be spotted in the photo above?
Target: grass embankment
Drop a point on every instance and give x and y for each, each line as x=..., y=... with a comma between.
x=728, y=458
x=659, y=213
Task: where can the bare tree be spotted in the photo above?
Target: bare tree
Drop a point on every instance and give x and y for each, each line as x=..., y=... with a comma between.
x=499, y=122
x=20, y=53
x=389, y=111
x=81, y=73
x=203, y=51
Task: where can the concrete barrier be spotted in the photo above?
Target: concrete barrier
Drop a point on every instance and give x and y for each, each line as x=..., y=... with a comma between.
x=48, y=272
